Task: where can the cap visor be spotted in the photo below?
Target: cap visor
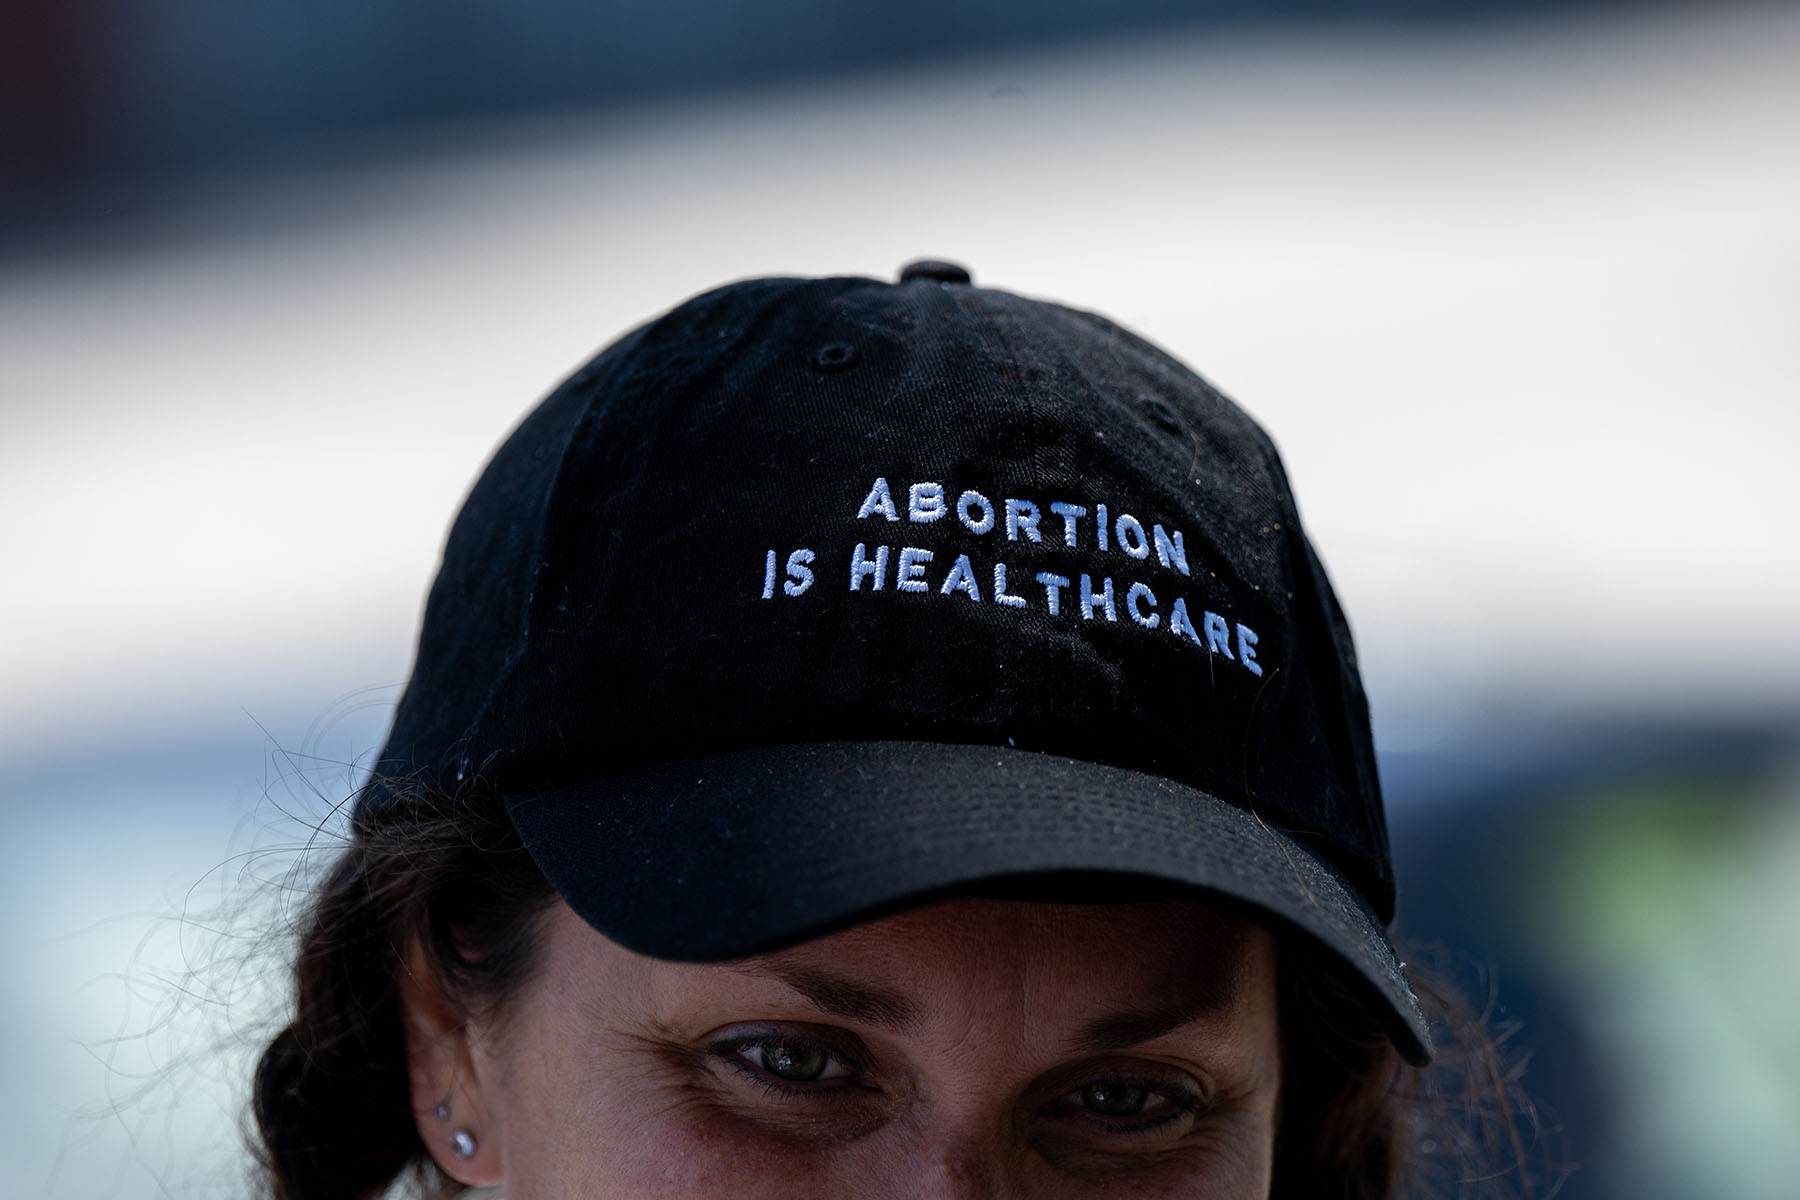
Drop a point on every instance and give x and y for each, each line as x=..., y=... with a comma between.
x=732, y=854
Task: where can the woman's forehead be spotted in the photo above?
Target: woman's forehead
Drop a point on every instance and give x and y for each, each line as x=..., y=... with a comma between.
x=1020, y=930
x=1142, y=958
x=1122, y=969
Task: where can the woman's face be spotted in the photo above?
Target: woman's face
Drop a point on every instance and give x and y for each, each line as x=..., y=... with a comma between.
x=975, y=1048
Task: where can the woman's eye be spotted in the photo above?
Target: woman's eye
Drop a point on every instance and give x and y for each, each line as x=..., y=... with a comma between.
x=1126, y=1105
x=1114, y=1099
x=794, y=1062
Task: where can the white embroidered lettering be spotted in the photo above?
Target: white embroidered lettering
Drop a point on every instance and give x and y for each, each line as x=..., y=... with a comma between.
x=1022, y=514
x=910, y=575
x=1104, y=600
x=1247, y=649
x=1131, y=536
x=1069, y=513
x=1000, y=596
x=1096, y=595
x=1140, y=593
x=1169, y=550
x=987, y=512
x=925, y=502
x=1218, y=637
x=1179, y=623
x=800, y=576
x=861, y=566
x=1053, y=586
x=878, y=501
x=769, y=576
x=961, y=579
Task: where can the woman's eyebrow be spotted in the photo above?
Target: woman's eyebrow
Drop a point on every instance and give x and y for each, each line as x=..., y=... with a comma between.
x=1211, y=995
x=838, y=996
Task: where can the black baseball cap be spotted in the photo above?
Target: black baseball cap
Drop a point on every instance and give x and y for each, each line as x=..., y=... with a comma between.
x=817, y=598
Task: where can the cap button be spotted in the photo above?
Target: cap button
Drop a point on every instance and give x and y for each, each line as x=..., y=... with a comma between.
x=931, y=268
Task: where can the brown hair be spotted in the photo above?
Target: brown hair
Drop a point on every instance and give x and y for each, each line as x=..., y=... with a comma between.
x=1359, y=1123
x=332, y=1102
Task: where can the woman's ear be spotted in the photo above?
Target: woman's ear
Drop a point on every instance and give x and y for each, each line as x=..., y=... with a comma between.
x=449, y=1101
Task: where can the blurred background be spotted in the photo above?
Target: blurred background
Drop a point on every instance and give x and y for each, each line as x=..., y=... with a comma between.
x=1516, y=286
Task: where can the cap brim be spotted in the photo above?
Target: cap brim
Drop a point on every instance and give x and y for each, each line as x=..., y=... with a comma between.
x=738, y=853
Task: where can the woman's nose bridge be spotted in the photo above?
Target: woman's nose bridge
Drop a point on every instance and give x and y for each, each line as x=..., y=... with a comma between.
x=965, y=1143
x=951, y=1165
x=966, y=1149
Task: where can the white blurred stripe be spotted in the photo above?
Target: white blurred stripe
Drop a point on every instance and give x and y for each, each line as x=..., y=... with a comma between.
x=1519, y=308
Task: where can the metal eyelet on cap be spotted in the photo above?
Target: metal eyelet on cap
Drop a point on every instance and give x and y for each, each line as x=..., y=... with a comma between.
x=934, y=268
x=834, y=356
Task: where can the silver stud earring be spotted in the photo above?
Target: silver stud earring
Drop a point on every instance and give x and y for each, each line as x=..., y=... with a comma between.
x=443, y=1112
x=462, y=1143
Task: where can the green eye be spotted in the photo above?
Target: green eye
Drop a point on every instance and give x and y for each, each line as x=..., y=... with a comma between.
x=798, y=1064
x=1115, y=1099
